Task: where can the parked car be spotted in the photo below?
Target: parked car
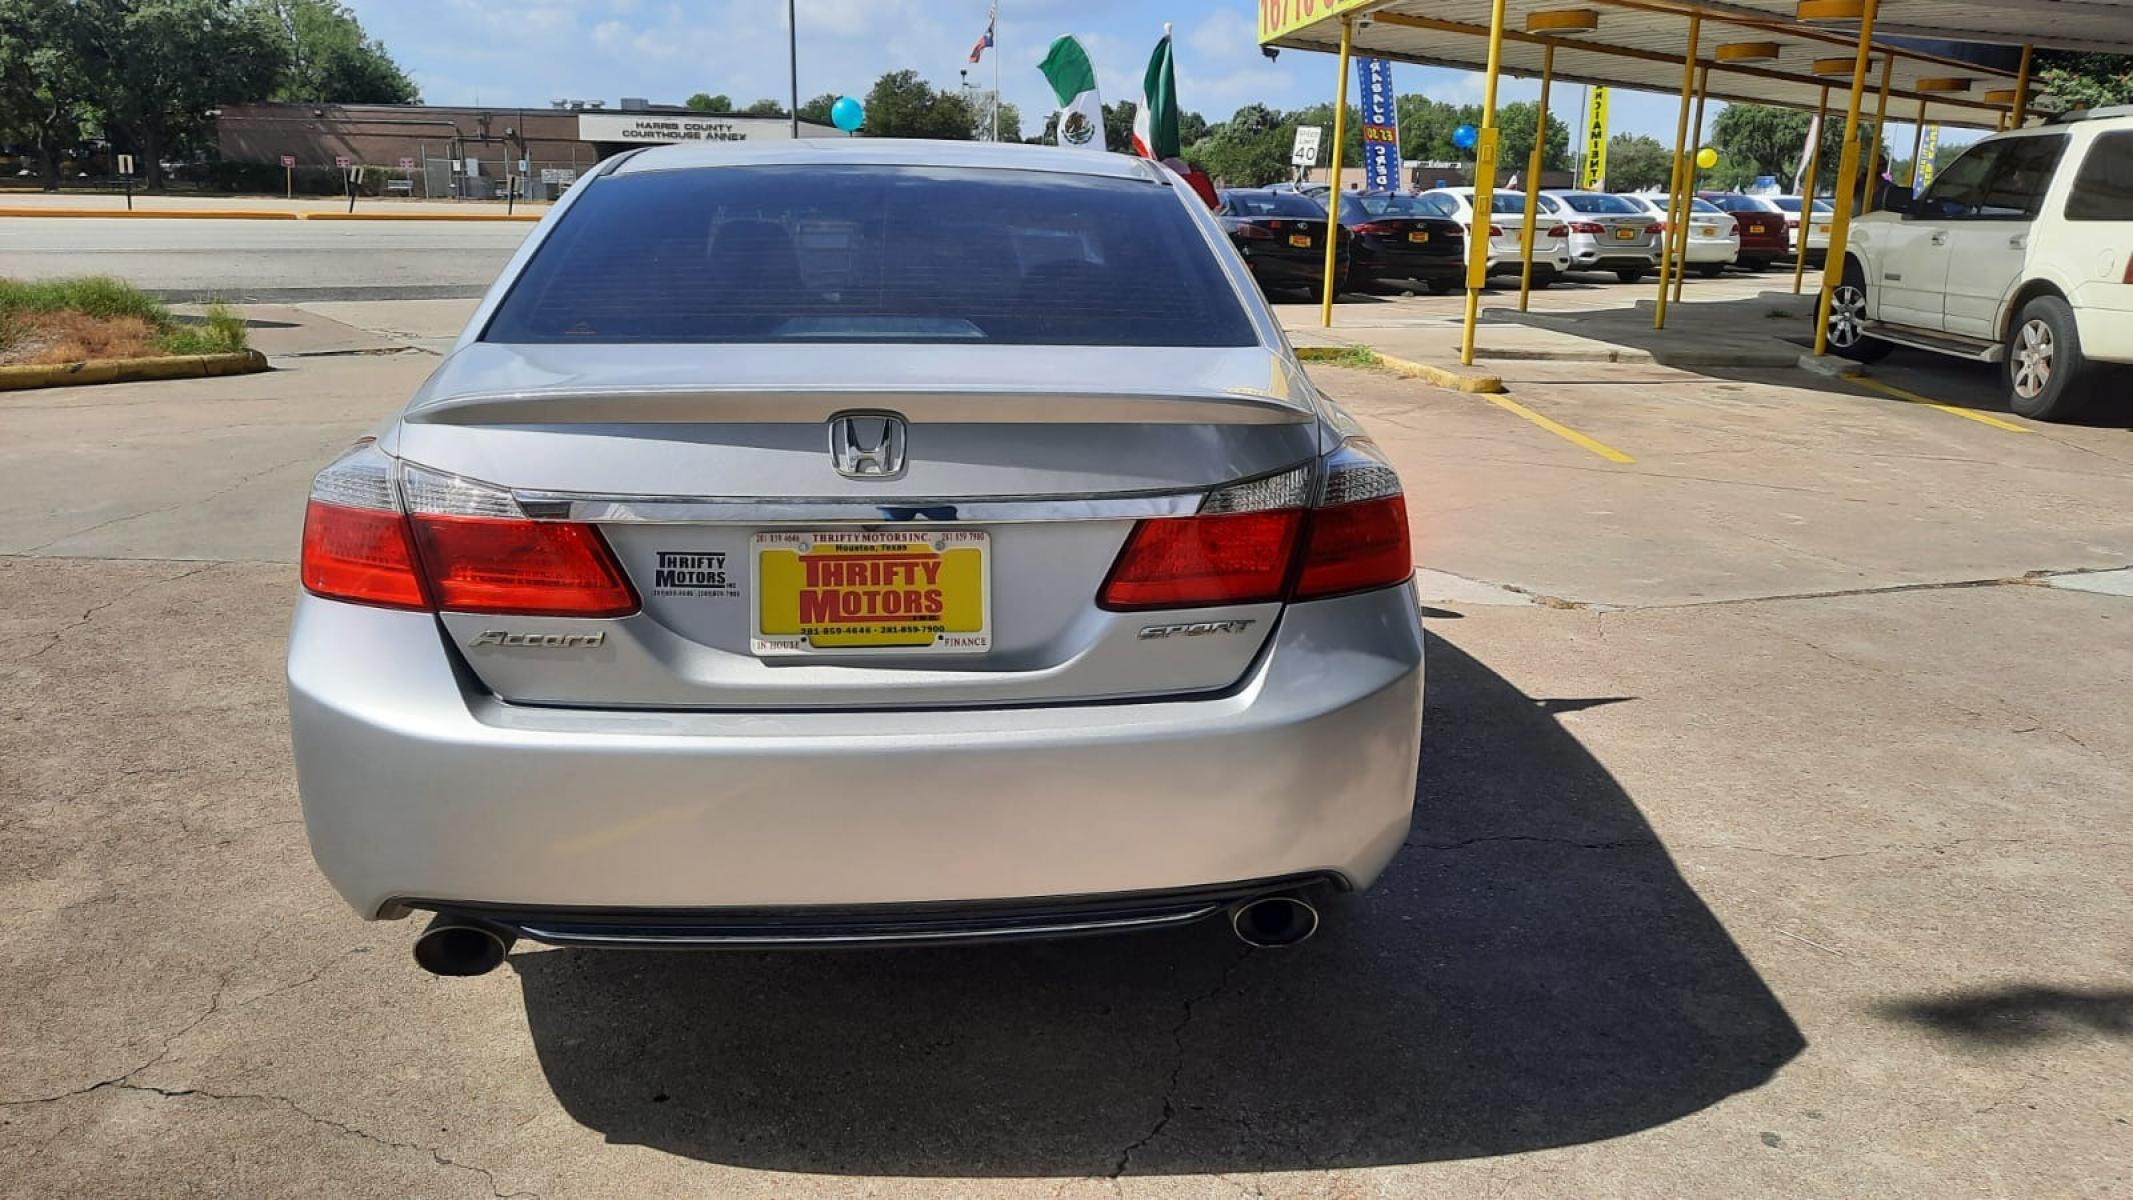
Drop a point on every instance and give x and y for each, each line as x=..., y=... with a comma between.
x=1281, y=236
x=2020, y=253
x=1395, y=237
x=848, y=543
x=1607, y=233
x=1551, y=238
x=1763, y=237
x=1825, y=211
x=1714, y=237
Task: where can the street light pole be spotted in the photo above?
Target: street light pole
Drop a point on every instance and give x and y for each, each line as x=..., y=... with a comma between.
x=792, y=51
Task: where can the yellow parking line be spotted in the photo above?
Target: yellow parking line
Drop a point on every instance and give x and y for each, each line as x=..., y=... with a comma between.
x=1914, y=398
x=1560, y=430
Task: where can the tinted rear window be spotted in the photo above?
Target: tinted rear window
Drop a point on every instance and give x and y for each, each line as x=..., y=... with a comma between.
x=2103, y=191
x=1270, y=204
x=1360, y=208
x=873, y=254
x=1597, y=202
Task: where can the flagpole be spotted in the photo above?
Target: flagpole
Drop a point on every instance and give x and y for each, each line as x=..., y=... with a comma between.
x=792, y=50
x=996, y=70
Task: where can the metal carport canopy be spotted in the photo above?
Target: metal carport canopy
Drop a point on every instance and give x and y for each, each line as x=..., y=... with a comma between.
x=1759, y=53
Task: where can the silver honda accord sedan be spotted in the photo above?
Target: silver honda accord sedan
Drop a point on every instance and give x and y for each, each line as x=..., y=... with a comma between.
x=858, y=542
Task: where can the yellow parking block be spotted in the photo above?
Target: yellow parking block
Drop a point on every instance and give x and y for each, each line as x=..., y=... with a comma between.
x=1897, y=393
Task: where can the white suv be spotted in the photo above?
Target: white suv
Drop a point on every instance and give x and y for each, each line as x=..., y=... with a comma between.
x=2020, y=253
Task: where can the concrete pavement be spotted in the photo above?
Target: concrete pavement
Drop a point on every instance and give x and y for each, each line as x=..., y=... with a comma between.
x=1771, y=840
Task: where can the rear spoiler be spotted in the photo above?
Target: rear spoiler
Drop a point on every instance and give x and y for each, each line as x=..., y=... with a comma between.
x=698, y=405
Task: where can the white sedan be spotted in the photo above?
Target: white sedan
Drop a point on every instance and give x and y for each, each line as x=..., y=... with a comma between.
x=1818, y=233
x=1551, y=238
x=1714, y=237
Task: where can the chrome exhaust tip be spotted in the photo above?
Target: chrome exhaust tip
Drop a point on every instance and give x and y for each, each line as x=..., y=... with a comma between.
x=1273, y=921
x=458, y=947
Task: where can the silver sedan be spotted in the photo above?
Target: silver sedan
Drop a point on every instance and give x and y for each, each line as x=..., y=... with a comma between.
x=857, y=542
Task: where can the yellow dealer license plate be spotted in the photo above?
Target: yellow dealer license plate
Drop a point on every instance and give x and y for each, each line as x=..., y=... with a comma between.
x=1625, y=233
x=1299, y=239
x=1821, y=228
x=1705, y=231
x=1755, y=229
x=917, y=592
x=1418, y=236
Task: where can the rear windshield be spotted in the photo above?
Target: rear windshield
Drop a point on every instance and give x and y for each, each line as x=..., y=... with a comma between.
x=1790, y=204
x=1507, y=202
x=1600, y=202
x=1357, y=208
x=873, y=254
x=1270, y=204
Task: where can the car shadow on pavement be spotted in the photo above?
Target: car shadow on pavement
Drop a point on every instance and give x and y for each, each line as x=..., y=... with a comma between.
x=1532, y=972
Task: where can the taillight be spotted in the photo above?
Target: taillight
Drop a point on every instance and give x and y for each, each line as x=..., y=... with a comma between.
x=1561, y=231
x=1257, y=542
x=1376, y=229
x=355, y=540
x=1587, y=227
x=403, y=536
x=1655, y=227
x=1495, y=231
x=1357, y=536
x=1253, y=232
x=2128, y=277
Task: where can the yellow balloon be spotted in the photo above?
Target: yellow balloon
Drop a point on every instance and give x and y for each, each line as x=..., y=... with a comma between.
x=1707, y=158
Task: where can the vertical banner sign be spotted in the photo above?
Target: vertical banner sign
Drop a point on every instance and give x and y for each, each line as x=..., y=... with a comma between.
x=1381, y=125
x=1922, y=173
x=1593, y=173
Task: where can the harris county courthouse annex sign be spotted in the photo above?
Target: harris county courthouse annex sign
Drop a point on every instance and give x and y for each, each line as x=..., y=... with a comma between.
x=654, y=128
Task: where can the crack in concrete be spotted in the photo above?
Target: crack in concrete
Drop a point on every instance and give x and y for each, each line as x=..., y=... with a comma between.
x=56, y=636
x=1177, y=1066
x=174, y=505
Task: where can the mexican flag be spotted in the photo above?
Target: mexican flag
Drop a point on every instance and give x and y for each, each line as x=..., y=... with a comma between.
x=1081, y=115
x=1155, y=125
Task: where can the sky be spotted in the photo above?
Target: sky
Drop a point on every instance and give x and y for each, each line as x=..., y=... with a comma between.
x=527, y=52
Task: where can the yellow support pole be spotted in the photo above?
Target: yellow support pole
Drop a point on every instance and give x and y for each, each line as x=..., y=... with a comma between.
x=1533, y=178
x=1477, y=265
x=1807, y=199
x=1881, y=124
x=1675, y=200
x=1840, y=221
x=1333, y=198
x=1688, y=197
x=2021, y=104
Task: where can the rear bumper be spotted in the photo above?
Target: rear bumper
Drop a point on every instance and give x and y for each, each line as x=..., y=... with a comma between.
x=2103, y=314
x=1713, y=251
x=1294, y=272
x=1386, y=264
x=419, y=787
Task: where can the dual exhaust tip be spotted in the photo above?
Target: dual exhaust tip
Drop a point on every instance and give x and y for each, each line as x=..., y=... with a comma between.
x=457, y=947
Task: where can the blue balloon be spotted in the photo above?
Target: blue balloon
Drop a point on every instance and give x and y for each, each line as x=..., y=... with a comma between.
x=1465, y=136
x=848, y=114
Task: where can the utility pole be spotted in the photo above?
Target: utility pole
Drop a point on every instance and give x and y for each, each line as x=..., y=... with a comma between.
x=792, y=50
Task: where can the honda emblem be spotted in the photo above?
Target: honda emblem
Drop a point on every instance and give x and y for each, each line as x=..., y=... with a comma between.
x=867, y=445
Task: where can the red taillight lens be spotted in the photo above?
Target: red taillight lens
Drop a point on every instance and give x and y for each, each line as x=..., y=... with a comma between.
x=1561, y=231
x=528, y=568
x=359, y=555
x=1590, y=227
x=1655, y=227
x=1355, y=547
x=1495, y=231
x=1251, y=233
x=1193, y=562
x=1377, y=229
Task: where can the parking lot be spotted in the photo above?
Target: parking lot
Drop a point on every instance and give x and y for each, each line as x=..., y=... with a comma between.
x=1770, y=838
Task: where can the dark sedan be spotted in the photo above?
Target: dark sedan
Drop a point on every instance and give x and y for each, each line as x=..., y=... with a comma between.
x=1763, y=238
x=1395, y=237
x=1282, y=237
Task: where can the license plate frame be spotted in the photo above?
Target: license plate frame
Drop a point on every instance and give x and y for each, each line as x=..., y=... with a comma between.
x=1756, y=228
x=1625, y=233
x=1302, y=240
x=1418, y=235
x=859, y=606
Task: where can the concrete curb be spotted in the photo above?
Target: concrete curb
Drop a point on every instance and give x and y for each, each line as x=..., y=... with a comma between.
x=127, y=370
x=1829, y=365
x=1458, y=379
x=390, y=216
x=159, y=214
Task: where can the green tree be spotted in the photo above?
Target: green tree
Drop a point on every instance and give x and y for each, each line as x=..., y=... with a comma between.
x=44, y=96
x=156, y=67
x=1251, y=149
x=764, y=108
x=706, y=102
x=1118, y=126
x=2084, y=80
x=1756, y=139
x=818, y=109
x=328, y=58
x=1191, y=128
x=900, y=104
x=1514, y=150
x=1010, y=122
x=1636, y=162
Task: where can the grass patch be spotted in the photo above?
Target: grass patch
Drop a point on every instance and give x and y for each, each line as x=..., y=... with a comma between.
x=52, y=321
x=1340, y=356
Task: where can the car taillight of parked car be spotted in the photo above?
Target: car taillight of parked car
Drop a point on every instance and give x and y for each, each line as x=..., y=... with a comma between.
x=1655, y=227
x=1561, y=231
x=1250, y=232
x=395, y=535
x=1587, y=227
x=1271, y=539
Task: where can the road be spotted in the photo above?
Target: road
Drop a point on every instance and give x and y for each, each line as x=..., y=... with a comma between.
x=266, y=260
x=1771, y=840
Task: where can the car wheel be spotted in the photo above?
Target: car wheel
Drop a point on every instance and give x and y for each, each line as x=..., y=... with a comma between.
x=1711, y=270
x=1847, y=320
x=1630, y=274
x=2047, y=378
